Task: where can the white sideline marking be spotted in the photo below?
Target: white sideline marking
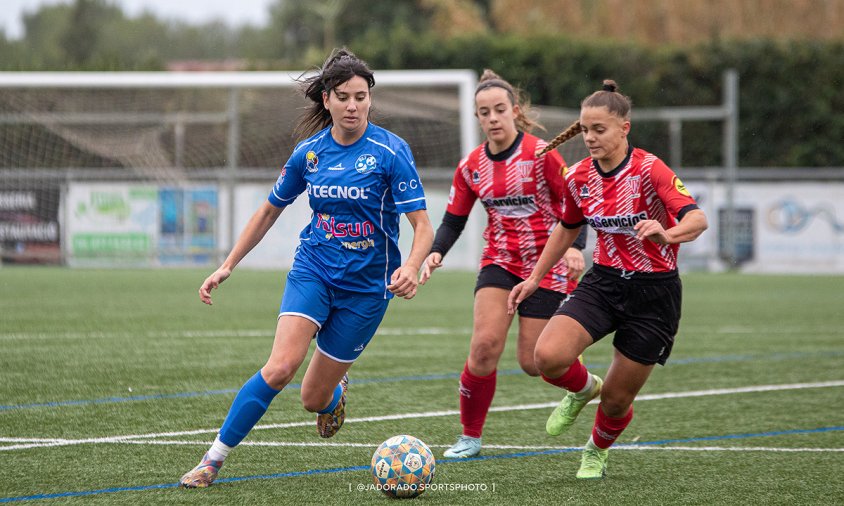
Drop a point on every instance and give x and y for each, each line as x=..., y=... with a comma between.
x=190, y=334
x=502, y=447
x=26, y=443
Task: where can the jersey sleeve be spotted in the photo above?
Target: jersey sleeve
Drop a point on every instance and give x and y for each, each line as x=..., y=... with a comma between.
x=572, y=213
x=461, y=198
x=553, y=167
x=291, y=181
x=404, y=181
x=670, y=189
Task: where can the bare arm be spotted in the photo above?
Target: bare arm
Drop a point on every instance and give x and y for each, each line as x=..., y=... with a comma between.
x=403, y=282
x=255, y=230
x=559, y=242
x=688, y=229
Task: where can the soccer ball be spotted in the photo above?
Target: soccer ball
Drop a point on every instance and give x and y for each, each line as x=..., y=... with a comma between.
x=403, y=466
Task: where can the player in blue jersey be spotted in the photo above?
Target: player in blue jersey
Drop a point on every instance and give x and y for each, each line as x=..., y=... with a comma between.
x=358, y=178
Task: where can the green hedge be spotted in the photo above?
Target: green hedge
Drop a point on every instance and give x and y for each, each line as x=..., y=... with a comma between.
x=791, y=99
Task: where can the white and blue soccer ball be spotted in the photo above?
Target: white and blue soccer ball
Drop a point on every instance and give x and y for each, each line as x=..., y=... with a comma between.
x=403, y=466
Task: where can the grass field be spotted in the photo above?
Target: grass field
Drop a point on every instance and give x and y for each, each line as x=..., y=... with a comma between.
x=113, y=383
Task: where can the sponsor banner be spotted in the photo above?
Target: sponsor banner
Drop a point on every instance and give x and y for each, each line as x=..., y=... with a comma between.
x=788, y=227
x=277, y=249
x=188, y=225
x=140, y=225
x=29, y=225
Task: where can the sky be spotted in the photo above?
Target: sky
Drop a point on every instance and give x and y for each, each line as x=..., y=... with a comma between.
x=235, y=12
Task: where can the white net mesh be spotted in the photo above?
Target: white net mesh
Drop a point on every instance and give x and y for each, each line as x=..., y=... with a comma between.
x=56, y=134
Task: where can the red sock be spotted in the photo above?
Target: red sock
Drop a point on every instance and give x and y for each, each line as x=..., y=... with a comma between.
x=573, y=380
x=606, y=429
x=476, y=394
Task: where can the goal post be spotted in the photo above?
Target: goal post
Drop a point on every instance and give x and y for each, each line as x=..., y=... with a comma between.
x=143, y=168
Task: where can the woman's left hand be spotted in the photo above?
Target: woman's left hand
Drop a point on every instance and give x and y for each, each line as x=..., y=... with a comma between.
x=574, y=263
x=651, y=230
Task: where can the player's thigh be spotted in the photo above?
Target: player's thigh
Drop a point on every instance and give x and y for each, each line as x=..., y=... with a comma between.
x=561, y=342
x=490, y=323
x=292, y=339
x=529, y=332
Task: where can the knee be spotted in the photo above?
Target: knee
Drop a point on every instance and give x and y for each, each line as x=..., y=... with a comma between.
x=485, y=353
x=551, y=364
x=614, y=404
x=278, y=374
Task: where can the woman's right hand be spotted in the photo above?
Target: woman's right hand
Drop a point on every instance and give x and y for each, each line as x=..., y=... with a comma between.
x=211, y=282
x=519, y=293
x=432, y=263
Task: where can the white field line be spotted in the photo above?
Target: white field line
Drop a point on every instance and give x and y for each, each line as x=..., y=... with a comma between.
x=383, y=331
x=191, y=334
x=306, y=444
x=25, y=443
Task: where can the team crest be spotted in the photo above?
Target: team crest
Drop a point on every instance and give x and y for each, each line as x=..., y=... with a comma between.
x=311, y=161
x=680, y=187
x=634, y=184
x=525, y=169
x=476, y=177
x=283, y=173
x=365, y=164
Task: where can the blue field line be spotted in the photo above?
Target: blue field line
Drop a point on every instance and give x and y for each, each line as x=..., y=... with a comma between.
x=425, y=377
x=334, y=470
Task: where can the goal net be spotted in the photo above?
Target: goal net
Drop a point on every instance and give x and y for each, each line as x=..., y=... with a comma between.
x=146, y=168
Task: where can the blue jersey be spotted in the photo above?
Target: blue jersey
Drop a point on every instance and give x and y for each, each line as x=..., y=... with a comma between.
x=357, y=193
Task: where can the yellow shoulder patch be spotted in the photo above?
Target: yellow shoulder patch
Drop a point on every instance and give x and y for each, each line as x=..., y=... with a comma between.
x=680, y=187
x=564, y=170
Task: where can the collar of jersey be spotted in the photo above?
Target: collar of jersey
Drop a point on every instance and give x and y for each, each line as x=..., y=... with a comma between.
x=362, y=137
x=507, y=153
x=618, y=167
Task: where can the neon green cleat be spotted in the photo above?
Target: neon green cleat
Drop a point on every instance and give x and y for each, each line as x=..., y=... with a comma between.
x=566, y=413
x=593, y=463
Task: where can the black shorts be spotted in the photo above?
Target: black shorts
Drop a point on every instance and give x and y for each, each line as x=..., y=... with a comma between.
x=642, y=308
x=541, y=304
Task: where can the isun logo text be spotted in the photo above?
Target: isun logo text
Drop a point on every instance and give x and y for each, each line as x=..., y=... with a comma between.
x=339, y=229
x=412, y=184
x=336, y=192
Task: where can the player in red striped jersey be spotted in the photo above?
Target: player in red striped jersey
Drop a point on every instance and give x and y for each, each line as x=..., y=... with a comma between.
x=641, y=212
x=522, y=194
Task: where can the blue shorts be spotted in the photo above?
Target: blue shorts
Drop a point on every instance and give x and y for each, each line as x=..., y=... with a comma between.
x=346, y=320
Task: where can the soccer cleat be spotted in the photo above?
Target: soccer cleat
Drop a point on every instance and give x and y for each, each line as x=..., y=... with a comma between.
x=466, y=446
x=566, y=413
x=593, y=463
x=203, y=475
x=329, y=423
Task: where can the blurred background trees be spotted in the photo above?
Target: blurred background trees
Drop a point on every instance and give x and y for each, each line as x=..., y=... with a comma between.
x=789, y=53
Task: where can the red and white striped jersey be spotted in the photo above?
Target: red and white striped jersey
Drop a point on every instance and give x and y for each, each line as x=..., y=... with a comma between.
x=641, y=188
x=522, y=196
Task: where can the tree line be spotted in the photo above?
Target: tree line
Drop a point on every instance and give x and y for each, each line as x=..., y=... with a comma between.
x=790, y=55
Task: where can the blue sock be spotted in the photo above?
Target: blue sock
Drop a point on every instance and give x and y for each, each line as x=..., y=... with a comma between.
x=338, y=392
x=249, y=405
